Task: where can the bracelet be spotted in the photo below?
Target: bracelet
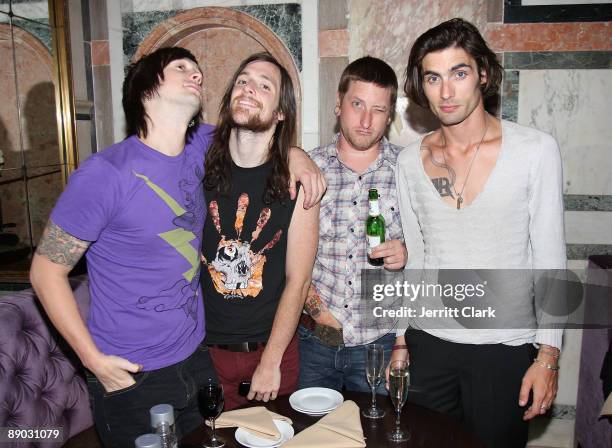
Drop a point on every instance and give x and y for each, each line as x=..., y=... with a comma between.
x=554, y=354
x=400, y=347
x=545, y=364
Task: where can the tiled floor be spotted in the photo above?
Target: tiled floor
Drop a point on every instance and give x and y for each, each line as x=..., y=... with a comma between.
x=551, y=433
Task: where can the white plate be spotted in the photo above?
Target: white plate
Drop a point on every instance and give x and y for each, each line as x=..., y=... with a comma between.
x=313, y=414
x=315, y=400
x=247, y=439
x=318, y=414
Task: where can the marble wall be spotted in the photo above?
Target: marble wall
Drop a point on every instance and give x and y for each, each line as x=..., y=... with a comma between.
x=220, y=41
x=113, y=31
x=571, y=105
x=386, y=28
x=284, y=19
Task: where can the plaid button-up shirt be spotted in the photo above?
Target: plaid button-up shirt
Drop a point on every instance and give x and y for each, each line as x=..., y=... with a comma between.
x=342, y=249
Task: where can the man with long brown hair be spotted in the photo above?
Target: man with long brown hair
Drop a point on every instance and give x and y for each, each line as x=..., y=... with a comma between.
x=258, y=266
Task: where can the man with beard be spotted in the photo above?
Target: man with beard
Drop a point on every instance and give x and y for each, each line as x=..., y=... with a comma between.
x=334, y=332
x=260, y=244
x=137, y=208
x=479, y=193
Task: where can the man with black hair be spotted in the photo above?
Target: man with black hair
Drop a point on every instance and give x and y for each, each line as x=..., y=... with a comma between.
x=137, y=209
x=479, y=193
x=260, y=244
x=335, y=329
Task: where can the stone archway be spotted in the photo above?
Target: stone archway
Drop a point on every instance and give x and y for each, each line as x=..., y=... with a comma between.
x=221, y=38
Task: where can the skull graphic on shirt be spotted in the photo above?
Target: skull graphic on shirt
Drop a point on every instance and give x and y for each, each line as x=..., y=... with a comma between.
x=236, y=270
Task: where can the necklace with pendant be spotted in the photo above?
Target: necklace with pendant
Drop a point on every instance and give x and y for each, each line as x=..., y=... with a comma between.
x=467, y=176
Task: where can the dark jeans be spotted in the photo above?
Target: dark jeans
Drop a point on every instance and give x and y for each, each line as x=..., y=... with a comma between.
x=337, y=367
x=476, y=384
x=121, y=416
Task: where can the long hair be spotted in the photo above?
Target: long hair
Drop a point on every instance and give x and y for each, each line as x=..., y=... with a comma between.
x=141, y=83
x=373, y=70
x=452, y=33
x=218, y=157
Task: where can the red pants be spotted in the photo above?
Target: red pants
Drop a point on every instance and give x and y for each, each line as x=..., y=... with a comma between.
x=234, y=367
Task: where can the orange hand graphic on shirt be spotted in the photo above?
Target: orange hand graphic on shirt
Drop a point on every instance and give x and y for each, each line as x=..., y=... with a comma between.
x=236, y=269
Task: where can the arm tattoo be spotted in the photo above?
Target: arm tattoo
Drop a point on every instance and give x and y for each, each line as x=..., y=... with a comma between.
x=444, y=185
x=61, y=247
x=314, y=305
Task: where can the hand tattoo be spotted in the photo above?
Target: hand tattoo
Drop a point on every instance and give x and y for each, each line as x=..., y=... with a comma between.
x=60, y=247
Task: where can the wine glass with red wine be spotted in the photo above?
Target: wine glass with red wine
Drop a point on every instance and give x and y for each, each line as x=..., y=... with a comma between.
x=210, y=402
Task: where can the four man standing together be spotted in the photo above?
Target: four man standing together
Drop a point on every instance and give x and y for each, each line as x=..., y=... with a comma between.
x=469, y=195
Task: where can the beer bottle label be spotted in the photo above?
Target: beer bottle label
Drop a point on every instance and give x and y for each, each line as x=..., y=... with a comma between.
x=374, y=210
x=373, y=241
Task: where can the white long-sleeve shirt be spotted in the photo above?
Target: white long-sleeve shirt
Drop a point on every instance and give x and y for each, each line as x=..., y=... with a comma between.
x=516, y=222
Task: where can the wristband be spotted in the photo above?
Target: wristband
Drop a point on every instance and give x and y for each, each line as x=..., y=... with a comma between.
x=399, y=347
x=545, y=364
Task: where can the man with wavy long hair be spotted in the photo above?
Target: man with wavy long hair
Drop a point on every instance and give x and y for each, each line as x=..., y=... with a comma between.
x=258, y=266
x=479, y=193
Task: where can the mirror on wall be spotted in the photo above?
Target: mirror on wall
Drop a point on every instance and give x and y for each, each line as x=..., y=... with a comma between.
x=36, y=151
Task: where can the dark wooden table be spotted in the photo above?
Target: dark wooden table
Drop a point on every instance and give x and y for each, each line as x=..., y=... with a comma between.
x=427, y=429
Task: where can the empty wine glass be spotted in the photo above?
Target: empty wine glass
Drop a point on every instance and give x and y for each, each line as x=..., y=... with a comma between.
x=210, y=402
x=399, y=380
x=375, y=365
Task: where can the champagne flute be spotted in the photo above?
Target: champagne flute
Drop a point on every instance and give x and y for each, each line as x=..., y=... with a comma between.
x=210, y=402
x=399, y=379
x=375, y=365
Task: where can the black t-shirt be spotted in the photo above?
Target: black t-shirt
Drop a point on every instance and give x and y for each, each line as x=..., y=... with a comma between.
x=244, y=249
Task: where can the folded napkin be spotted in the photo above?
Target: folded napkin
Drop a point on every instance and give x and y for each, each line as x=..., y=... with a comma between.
x=338, y=429
x=607, y=407
x=257, y=420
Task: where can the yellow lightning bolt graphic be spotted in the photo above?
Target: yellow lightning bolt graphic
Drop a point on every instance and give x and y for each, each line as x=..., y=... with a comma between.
x=179, y=238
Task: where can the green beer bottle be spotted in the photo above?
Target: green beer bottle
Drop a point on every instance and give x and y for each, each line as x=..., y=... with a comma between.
x=375, y=227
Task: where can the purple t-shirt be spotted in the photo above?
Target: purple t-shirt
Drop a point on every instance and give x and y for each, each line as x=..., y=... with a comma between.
x=144, y=213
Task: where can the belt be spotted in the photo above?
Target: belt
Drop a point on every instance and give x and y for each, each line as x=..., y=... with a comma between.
x=328, y=335
x=242, y=347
